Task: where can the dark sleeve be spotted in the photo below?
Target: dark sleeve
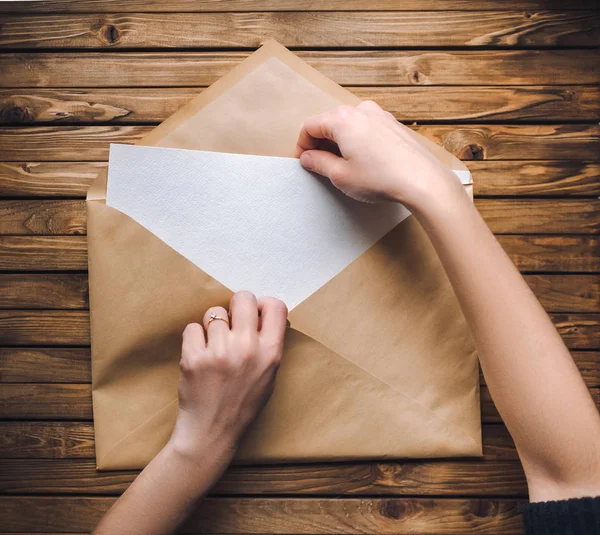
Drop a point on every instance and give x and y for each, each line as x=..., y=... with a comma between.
x=577, y=516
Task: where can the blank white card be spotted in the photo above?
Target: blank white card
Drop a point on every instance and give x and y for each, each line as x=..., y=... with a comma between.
x=255, y=223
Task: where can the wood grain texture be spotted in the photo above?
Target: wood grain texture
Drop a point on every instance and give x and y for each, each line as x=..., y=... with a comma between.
x=43, y=217
x=556, y=292
x=544, y=178
x=468, y=142
x=75, y=440
x=43, y=253
x=528, y=252
x=427, y=103
x=456, y=478
x=299, y=29
x=35, y=327
x=47, y=401
x=52, y=365
x=360, y=68
x=53, y=401
x=59, y=179
x=285, y=516
x=510, y=216
x=53, y=291
x=196, y=6
x=67, y=440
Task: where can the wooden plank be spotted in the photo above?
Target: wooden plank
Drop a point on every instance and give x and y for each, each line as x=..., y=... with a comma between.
x=75, y=440
x=44, y=253
x=491, y=178
x=534, y=216
x=306, y=29
x=468, y=142
x=35, y=327
x=54, y=291
x=525, y=216
x=70, y=179
x=74, y=402
x=427, y=103
x=528, y=252
x=578, y=331
x=556, y=292
x=64, y=143
x=44, y=217
x=57, y=440
x=543, y=178
x=286, y=516
x=416, y=478
x=503, y=142
x=47, y=401
x=167, y=6
x=360, y=68
x=48, y=365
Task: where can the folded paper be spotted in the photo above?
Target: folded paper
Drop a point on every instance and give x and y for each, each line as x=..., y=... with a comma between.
x=378, y=361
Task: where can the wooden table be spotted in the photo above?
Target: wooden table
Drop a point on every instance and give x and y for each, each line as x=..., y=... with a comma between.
x=511, y=86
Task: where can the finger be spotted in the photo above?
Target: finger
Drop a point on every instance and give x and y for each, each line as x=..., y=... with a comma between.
x=216, y=323
x=305, y=142
x=193, y=340
x=322, y=126
x=273, y=319
x=244, y=312
x=324, y=163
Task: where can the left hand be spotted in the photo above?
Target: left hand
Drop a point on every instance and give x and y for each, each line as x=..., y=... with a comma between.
x=227, y=374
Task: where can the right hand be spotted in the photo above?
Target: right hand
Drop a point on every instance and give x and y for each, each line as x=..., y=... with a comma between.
x=379, y=158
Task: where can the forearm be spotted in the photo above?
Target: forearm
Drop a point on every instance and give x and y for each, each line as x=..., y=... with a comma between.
x=531, y=376
x=163, y=495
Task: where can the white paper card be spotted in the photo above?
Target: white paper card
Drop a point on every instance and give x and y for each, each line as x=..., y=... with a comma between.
x=255, y=223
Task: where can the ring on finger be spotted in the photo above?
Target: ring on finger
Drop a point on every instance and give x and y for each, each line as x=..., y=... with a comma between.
x=214, y=316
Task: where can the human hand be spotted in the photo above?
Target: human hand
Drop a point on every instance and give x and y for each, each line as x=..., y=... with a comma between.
x=374, y=157
x=227, y=375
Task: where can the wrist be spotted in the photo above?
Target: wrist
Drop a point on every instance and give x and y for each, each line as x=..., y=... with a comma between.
x=208, y=462
x=437, y=195
x=207, y=449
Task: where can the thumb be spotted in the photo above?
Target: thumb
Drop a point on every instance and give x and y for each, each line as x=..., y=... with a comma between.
x=323, y=162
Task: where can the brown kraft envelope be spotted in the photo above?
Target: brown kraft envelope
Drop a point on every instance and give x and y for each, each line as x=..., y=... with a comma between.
x=378, y=363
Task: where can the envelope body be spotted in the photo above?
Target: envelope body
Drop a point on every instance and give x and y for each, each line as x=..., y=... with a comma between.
x=378, y=362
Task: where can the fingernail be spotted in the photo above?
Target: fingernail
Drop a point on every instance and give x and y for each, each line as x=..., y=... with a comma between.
x=306, y=160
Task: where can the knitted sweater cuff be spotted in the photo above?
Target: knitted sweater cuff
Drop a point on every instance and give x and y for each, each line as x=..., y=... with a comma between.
x=577, y=516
